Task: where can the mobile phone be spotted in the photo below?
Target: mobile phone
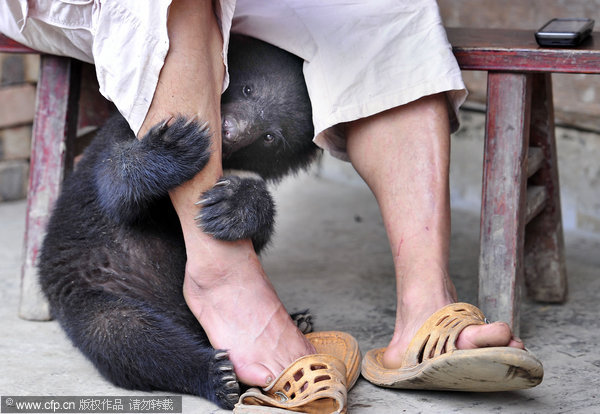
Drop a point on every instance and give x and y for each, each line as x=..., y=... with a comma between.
x=564, y=32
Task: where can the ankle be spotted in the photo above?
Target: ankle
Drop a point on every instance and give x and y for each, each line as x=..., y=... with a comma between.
x=424, y=287
x=212, y=263
x=420, y=294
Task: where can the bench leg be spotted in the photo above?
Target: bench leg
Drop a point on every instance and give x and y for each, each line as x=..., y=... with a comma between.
x=504, y=196
x=545, y=271
x=51, y=157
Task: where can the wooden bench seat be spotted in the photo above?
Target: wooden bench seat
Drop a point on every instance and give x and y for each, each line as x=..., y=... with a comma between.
x=517, y=51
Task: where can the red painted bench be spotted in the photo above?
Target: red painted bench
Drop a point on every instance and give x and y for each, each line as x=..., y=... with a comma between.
x=521, y=227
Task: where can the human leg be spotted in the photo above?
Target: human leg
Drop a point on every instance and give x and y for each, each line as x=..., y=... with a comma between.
x=225, y=286
x=403, y=155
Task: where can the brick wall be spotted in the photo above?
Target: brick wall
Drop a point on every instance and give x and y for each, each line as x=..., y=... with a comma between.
x=18, y=75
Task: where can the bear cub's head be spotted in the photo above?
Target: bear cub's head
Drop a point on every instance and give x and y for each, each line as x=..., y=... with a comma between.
x=266, y=113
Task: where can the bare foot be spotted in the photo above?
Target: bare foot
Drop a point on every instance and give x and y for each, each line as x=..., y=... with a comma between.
x=235, y=303
x=471, y=337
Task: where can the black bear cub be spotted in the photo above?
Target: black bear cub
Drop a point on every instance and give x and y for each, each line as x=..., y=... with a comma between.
x=112, y=262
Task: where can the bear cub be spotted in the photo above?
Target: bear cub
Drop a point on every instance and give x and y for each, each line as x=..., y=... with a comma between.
x=113, y=259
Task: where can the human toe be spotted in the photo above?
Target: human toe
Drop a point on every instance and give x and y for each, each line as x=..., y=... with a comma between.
x=255, y=374
x=488, y=335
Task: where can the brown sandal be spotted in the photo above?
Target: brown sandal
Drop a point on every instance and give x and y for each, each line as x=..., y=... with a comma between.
x=313, y=384
x=432, y=361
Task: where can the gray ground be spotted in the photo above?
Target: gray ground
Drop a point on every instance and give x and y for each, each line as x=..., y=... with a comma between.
x=331, y=255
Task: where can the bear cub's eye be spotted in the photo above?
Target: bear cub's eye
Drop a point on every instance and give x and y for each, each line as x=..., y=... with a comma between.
x=247, y=90
x=268, y=137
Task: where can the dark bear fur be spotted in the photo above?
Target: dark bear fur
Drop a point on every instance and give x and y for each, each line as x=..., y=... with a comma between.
x=113, y=260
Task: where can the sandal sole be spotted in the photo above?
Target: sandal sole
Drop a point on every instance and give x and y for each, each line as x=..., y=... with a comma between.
x=475, y=370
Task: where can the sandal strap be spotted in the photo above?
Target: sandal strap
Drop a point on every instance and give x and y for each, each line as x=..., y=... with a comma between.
x=341, y=345
x=439, y=333
x=312, y=384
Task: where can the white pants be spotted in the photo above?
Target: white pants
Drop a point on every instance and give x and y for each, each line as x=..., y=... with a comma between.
x=361, y=57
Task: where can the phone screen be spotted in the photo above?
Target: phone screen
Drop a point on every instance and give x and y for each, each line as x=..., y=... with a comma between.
x=564, y=26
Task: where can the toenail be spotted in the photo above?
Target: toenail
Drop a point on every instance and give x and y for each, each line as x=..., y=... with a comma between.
x=519, y=340
x=269, y=379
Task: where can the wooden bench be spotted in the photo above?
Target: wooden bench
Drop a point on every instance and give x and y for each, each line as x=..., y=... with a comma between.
x=521, y=227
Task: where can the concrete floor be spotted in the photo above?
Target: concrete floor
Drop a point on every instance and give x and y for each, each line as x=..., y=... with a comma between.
x=331, y=255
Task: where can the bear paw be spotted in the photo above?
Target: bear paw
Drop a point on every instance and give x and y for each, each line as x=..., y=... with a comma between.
x=224, y=380
x=237, y=208
x=177, y=148
x=303, y=321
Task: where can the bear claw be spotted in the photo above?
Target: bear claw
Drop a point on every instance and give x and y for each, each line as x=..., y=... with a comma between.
x=303, y=321
x=226, y=386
